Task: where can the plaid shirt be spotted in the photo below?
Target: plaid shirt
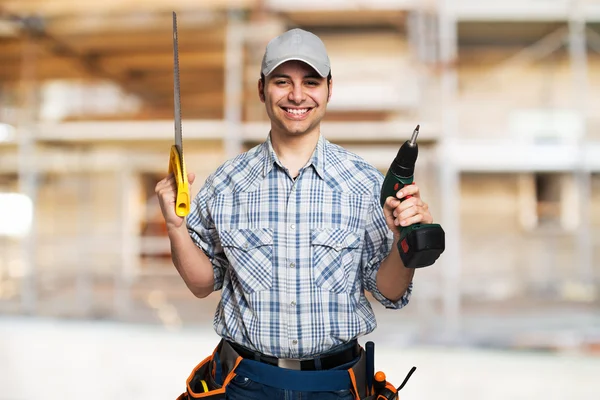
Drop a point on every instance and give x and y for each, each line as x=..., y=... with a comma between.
x=293, y=257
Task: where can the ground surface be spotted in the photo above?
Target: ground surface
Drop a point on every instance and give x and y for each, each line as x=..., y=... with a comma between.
x=68, y=360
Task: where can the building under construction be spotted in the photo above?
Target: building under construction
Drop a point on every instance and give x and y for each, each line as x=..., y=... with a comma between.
x=506, y=94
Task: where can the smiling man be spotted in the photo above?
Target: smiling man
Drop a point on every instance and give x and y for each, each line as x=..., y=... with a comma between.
x=293, y=235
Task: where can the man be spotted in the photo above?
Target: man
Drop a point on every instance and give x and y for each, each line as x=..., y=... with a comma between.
x=292, y=232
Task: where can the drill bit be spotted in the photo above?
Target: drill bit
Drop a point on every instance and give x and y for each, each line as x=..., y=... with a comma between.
x=413, y=139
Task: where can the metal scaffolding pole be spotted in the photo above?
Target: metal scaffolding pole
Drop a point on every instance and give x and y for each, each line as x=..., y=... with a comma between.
x=83, y=280
x=128, y=267
x=234, y=83
x=449, y=173
x=579, y=62
x=28, y=180
x=423, y=37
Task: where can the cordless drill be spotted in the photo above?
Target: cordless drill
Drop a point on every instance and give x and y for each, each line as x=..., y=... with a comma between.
x=420, y=245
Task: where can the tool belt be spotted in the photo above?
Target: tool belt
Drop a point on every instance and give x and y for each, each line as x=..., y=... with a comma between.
x=324, y=362
x=209, y=379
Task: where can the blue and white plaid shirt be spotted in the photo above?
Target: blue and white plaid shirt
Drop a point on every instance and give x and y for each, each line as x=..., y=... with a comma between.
x=293, y=257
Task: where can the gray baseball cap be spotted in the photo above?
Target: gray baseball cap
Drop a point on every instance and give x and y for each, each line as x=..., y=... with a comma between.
x=300, y=45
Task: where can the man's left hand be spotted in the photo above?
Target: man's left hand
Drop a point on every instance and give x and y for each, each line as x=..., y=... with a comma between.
x=410, y=211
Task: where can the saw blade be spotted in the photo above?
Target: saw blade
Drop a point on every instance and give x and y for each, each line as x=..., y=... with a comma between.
x=176, y=92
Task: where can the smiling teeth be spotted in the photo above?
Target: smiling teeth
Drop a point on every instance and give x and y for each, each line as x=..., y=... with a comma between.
x=296, y=111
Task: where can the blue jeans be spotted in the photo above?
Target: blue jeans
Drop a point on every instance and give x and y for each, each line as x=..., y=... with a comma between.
x=242, y=387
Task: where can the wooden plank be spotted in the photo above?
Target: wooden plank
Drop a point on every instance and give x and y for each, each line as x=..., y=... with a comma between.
x=366, y=131
x=160, y=61
x=346, y=18
x=135, y=22
x=200, y=111
x=11, y=48
x=194, y=104
x=53, y=60
x=109, y=160
x=504, y=33
x=46, y=68
x=191, y=81
x=144, y=41
x=342, y=6
x=194, y=100
x=127, y=130
x=69, y=7
x=149, y=112
x=118, y=66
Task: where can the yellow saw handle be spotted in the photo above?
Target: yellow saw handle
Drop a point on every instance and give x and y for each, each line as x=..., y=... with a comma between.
x=177, y=168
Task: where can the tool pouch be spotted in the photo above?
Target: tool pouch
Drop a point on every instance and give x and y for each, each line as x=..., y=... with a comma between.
x=389, y=392
x=210, y=377
x=358, y=375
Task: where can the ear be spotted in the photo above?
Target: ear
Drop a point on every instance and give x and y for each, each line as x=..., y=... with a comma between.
x=261, y=91
x=329, y=90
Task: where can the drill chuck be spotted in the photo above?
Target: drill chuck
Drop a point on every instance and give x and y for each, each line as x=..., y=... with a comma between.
x=403, y=165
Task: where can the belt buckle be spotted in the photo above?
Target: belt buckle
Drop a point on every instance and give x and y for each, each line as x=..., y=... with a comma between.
x=288, y=363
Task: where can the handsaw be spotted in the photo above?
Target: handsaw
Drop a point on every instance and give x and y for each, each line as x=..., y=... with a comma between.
x=176, y=163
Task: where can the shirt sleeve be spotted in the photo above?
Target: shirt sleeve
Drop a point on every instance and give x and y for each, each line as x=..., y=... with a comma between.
x=202, y=230
x=379, y=240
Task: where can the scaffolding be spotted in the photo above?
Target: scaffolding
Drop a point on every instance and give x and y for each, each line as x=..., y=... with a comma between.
x=432, y=33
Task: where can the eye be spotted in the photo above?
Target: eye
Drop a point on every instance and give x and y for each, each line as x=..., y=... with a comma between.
x=280, y=82
x=312, y=83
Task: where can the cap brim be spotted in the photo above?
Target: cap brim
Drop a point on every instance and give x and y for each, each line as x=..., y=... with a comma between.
x=323, y=71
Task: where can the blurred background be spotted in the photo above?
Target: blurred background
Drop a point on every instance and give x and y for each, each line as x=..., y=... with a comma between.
x=507, y=94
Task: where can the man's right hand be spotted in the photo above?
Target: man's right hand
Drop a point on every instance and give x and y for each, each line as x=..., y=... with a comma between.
x=166, y=191
x=192, y=264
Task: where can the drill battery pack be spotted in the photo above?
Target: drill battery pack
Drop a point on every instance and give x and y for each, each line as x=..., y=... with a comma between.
x=422, y=245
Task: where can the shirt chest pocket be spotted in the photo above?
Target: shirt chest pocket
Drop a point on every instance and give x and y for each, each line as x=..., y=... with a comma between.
x=250, y=255
x=334, y=258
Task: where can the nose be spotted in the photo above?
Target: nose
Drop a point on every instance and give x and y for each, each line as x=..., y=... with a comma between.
x=296, y=94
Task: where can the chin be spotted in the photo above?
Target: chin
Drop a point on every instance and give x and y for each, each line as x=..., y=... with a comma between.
x=298, y=131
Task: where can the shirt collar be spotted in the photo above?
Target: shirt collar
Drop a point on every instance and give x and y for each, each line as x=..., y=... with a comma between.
x=269, y=156
x=317, y=160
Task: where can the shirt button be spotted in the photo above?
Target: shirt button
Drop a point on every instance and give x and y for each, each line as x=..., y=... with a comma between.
x=292, y=265
x=292, y=226
x=294, y=341
x=293, y=303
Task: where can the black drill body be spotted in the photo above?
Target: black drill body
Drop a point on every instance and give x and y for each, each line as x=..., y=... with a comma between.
x=420, y=245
